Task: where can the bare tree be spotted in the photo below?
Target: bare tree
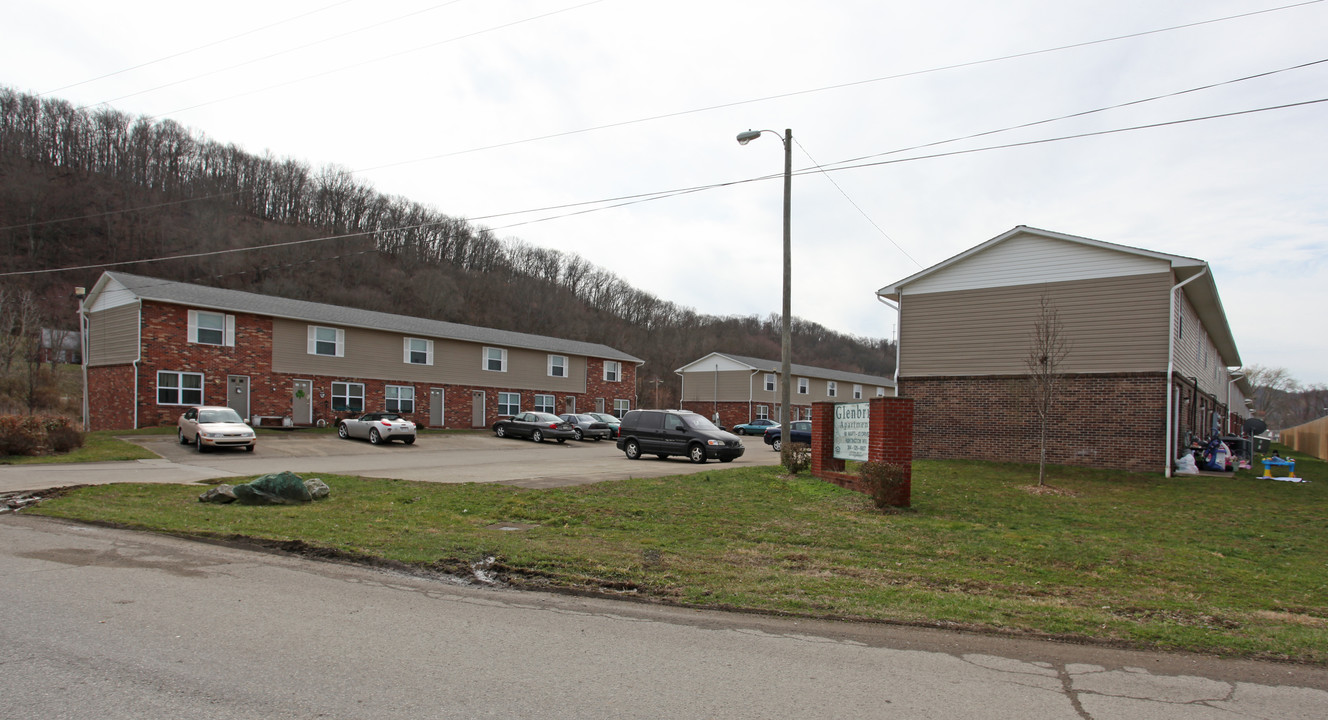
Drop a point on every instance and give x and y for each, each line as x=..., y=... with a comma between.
x=1047, y=348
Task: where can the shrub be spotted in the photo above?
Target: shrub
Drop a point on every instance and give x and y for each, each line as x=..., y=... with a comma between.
x=796, y=456
x=886, y=483
x=37, y=435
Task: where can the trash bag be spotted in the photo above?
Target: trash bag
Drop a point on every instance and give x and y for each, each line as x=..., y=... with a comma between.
x=1185, y=465
x=283, y=488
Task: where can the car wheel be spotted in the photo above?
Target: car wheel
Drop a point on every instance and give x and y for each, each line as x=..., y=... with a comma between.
x=562, y=440
x=579, y=435
x=342, y=431
x=180, y=434
x=500, y=431
x=409, y=440
x=739, y=431
x=696, y=454
x=632, y=450
x=776, y=445
x=248, y=448
x=198, y=443
x=374, y=437
x=537, y=436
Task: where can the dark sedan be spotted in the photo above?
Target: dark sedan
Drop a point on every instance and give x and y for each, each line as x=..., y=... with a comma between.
x=755, y=427
x=534, y=425
x=799, y=430
x=586, y=426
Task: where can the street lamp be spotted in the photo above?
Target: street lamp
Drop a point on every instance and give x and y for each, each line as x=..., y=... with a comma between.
x=786, y=332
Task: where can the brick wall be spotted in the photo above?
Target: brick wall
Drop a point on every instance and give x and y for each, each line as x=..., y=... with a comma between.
x=111, y=397
x=1116, y=421
x=737, y=413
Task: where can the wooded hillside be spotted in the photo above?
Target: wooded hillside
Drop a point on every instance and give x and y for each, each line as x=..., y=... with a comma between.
x=82, y=188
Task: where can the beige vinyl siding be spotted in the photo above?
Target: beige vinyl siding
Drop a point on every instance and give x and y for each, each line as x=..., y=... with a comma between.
x=733, y=385
x=113, y=335
x=1195, y=354
x=377, y=355
x=1113, y=325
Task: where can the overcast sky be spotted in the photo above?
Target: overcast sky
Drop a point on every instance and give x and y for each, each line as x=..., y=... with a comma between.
x=481, y=108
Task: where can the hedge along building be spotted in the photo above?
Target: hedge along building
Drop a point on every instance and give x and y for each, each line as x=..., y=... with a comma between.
x=1149, y=367
x=741, y=388
x=156, y=346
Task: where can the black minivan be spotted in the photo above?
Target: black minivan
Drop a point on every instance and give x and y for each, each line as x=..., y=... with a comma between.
x=676, y=432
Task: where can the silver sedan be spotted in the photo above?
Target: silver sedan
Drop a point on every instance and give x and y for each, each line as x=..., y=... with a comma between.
x=378, y=427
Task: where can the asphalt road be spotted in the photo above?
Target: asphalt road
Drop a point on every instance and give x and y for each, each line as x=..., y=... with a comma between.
x=108, y=624
x=445, y=458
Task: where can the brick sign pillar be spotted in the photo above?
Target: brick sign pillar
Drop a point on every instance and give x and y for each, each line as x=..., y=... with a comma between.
x=891, y=442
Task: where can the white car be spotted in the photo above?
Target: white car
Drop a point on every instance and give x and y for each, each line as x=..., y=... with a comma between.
x=378, y=427
x=210, y=427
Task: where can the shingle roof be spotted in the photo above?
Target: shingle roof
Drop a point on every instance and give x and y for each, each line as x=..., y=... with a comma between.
x=179, y=293
x=809, y=371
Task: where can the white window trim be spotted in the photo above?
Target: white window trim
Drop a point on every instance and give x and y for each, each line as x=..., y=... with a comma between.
x=770, y=383
x=406, y=350
x=484, y=359
x=831, y=388
x=332, y=393
x=228, y=328
x=857, y=392
x=387, y=391
x=179, y=387
x=501, y=403
x=880, y=392
x=762, y=412
x=618, y=373
x=552, y=407
x=313, y=341
x=621, y=407
x=565, y=366
x=804, y=386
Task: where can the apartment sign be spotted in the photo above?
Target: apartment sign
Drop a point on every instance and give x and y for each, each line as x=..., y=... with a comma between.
x=852, y=431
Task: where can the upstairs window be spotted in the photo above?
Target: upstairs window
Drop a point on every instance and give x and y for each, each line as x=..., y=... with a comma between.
x=612, y=371
x=804, y=386
x=495, y=360
x=211, y=328
x=880, y=392
x=327, y=341
x=558, y=366
x=831, y=388
x=857, y=392
x=769, y=382
x=417, y=351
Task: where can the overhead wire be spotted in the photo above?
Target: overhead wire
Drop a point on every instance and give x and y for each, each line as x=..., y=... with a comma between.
x=649, y=197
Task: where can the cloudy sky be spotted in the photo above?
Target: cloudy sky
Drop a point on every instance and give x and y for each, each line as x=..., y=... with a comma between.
x=499, y=111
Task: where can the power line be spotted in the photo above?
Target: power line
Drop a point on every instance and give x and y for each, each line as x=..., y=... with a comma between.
x=648, y=197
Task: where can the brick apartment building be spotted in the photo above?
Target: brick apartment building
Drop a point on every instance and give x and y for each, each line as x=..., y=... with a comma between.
x=1152, y=364
x=155, y=347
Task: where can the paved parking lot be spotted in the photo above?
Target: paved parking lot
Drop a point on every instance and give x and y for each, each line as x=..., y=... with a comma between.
x=446, y=458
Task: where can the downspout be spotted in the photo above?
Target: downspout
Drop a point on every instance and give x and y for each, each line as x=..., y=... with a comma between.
x=751, y=393
x=83, y=350
x=1170, y=441
x=139, y=349
x=898, y=316
x=682, y=388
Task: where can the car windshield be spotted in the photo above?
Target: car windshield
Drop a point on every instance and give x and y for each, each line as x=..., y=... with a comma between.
x=584, y=418
x=697, y=422
x=604, y=417
x=222, y=415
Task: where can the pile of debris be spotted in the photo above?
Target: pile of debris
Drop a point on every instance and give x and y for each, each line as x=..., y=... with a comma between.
x=283, y=488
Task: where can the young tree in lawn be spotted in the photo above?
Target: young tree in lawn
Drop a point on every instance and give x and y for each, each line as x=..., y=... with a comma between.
x=1047, y=349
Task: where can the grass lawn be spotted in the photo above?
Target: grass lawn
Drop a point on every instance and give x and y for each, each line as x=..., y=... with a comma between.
x=1235, y=566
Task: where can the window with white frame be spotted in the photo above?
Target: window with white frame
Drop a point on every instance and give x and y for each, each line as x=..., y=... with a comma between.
x=612, y=371
x=347, y=397
x=620, y=407
x=762, y=412
x=179, y=388
x=769, y=382
x=416, y=351
x=327, y=341
x=880, y=392
x=831, y=388
x=545, y=404
x=399, y=398
x=211, y=328
x=857, y=392
x=804, y=386
x=558, y=366
x=509, y=403
x=495, y=359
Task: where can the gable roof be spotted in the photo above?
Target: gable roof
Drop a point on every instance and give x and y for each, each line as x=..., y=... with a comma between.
x=177, y=293
x=1202, y=293
x=760, y=364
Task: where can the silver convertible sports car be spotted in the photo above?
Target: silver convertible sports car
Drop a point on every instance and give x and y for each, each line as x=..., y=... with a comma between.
x=378, y=427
